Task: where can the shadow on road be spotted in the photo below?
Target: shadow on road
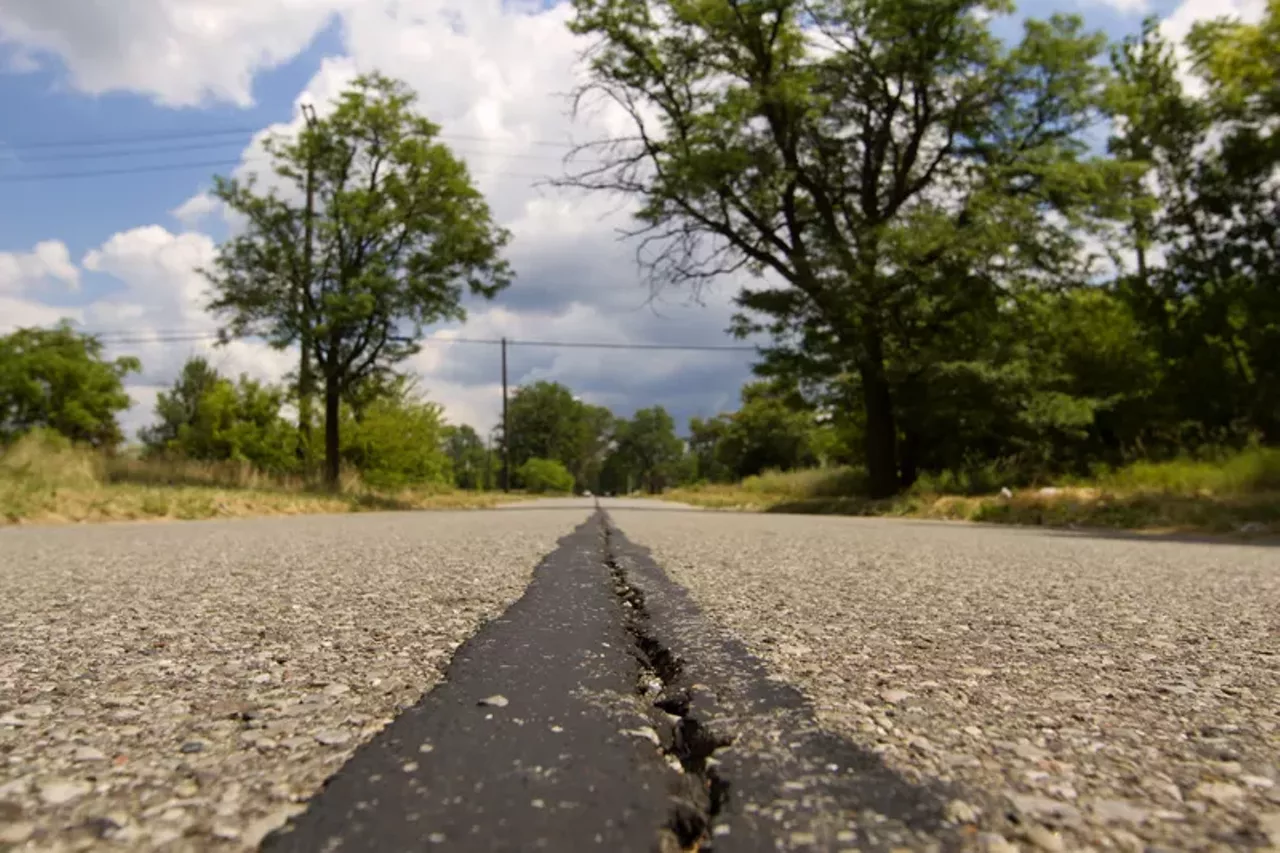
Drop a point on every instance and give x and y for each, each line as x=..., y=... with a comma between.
x=1176, y=537
x=605, y=506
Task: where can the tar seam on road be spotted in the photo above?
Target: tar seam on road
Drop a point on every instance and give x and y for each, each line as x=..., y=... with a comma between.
x=534, y=740
x=604, y=710
x=774, y=780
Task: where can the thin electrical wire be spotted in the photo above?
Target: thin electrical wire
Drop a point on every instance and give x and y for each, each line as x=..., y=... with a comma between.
x=208, y=164
x=110, y=338
x=27, y=145
x=205, y=146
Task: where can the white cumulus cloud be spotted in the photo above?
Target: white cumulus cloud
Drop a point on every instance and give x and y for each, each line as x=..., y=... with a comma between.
x=180, y=52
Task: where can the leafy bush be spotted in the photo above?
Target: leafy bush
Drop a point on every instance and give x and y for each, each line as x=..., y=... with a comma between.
x=543, y=476
x=1248, y=471
x=397, y=442
x=209, y=418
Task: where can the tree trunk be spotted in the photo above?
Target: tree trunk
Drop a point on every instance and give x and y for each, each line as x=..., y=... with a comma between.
x=882, y=431
x=332, y=448
x=910, y=464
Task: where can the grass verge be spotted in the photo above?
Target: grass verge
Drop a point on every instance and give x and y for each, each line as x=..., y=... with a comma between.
x=42, y=480
x=1237, y=494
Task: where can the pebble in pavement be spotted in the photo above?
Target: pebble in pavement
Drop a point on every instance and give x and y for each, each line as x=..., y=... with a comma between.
x=189, y=686
x=1083, y=692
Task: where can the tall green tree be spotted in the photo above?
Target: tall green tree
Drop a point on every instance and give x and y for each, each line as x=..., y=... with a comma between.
x=399, y=233
x=771, y=430
x=180, y=405
x=647, y=452
x=468, y=456
x=706, y=441
x=885, y=167
x=549, y=422
x=1205, y=234
x=59, y=379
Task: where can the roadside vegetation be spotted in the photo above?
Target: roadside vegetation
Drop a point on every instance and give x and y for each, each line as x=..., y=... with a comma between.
x=1046, y=290
x=1233, y=493
x=43, y=479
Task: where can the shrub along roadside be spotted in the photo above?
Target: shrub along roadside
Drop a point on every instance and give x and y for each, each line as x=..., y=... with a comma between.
x=545, y=476
x=1229, y=493
x=43, y=478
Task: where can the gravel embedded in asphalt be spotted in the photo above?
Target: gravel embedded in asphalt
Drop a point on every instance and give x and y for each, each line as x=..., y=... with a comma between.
x=1109, y=693
x=190, y=685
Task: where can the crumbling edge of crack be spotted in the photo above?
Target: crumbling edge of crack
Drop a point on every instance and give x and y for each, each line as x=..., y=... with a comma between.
x=784, y=777
x=686, y=738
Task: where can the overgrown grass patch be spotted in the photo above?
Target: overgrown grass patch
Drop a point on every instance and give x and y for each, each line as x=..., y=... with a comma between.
x=1235, y=493
x=44, y=479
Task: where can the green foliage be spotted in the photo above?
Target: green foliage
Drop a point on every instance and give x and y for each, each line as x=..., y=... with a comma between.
x=399, y=235
x=207, y=417
x=646, y=453
x=57, y=379
x=768, y=432
x=1206, y=282
x=549, y=422
x=773, y=430
x=397, y=440
x=545, y=476
x=1255, y=470
x=473, y=465
x=892, y=219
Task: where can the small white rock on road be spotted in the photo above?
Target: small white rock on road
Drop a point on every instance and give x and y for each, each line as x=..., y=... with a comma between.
x=188, y=686
x=1115, y=693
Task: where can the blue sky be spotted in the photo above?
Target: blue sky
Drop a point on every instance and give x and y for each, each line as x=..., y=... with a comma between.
x=200, y=77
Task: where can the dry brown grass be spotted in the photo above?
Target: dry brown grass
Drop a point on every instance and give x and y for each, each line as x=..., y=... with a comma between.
x=44, y=481
x=1161, y=499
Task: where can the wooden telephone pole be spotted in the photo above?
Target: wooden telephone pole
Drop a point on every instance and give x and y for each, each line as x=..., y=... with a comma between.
x=304, y=325
x=506, y=426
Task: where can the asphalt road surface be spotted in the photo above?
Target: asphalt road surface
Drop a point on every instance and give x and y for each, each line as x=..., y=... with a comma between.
x=648, y=678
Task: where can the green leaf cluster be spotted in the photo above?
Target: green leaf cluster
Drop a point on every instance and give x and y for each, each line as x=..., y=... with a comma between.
x=58, y=379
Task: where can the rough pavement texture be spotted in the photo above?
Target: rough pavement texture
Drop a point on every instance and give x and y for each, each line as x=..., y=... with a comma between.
x=187, y=686
x=1084, y=692
x=776, y=779
x=536, y=739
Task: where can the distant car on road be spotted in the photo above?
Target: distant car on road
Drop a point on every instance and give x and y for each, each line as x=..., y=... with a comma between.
x=586, y=493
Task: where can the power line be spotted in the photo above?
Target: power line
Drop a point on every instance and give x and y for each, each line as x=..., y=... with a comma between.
x=138, y=152
x=113, y=338
x=208, y=164
x=92, y=142
x=126, y=170
x=205, y=146
x=125, y=140
x=43, y=154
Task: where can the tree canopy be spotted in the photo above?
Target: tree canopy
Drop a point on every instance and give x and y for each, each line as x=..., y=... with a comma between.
x=208, y=417
x=394, y=237
x=549, y=422
x=58, y=379
x=884, y=168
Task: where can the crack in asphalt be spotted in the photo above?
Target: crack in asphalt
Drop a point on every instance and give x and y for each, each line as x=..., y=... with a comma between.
x=701, y=792
x=787, y=782
x=603, y=709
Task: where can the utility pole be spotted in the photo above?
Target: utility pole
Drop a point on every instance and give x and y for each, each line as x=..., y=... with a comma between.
x=304, y=330
x=506, y=426
x=488, y=463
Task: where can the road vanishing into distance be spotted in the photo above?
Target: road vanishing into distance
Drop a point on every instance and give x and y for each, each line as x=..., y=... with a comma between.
x=634, y=676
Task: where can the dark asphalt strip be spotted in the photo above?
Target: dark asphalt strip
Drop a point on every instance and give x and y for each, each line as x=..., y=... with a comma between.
x=604, y=710
x=549, y=765
x=778, y=782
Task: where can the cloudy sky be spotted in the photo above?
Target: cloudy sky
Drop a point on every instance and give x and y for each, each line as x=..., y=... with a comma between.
x=110, y=235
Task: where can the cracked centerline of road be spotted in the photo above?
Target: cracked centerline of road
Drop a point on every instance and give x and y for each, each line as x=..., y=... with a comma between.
x=603, y=710
x=529, y=743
